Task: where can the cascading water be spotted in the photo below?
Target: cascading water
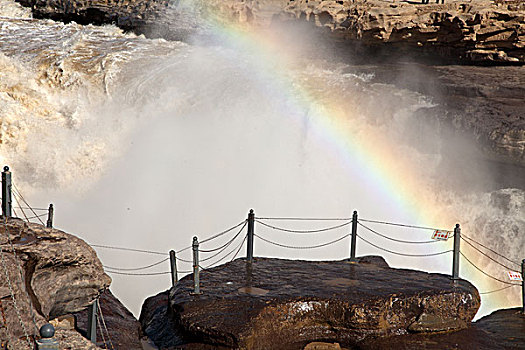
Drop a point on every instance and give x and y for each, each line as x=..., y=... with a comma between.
x=146, y=143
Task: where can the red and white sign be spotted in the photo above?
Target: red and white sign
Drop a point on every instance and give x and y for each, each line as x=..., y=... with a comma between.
x=515, y=276
x=441, y=235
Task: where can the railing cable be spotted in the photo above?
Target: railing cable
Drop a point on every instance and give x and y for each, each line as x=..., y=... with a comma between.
x=493, y=251
x=395, y=239
x=304, y=231
x=23, y=200
x=500, y=289
x=100, y=331
x=225, y=244
x=223, y=232
x=404, y=254
x=104, y=324
x=303, y=219
x=224, y=247
x=128, y=249
x=492, y=259
x=402, y=225
x=136, y=268
x=303, y=247
x=483, y=272
x=239, y=247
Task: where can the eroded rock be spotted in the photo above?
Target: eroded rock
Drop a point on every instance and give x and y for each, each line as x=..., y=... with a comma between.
x=308, y=301
x=51, y=273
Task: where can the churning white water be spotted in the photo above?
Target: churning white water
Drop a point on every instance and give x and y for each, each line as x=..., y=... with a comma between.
x=146, y=143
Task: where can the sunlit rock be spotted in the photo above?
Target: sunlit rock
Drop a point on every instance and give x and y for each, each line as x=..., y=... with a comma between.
x=51, y=273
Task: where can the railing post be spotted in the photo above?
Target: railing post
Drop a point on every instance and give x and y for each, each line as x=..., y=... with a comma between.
x=92, y=322
x=47, y=342
x=6, y=193
x=50, y=216
x=455, y=257
x=196, y=282
x=251, y=230
x=173, y=263
x=523, y=286
x=354, y=235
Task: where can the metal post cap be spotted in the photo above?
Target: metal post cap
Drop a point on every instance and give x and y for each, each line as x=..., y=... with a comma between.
x=47, y=331
x=6, y=168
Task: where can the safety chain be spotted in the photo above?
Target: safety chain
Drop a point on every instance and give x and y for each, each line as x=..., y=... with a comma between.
x=127, y=249
x=225, y=246
x=493, y=251
x=303, y=219
x=304, y=231
x=23, y=200
x=395, y=239
x=402, y=225
x=482, y=253
x=239, y=247
x=101, y=332
x=136, y=268
x=303, y=247
x=486, y=274
x=404, y=254
x=104, y=324
x=497, y=290
x=140, y=274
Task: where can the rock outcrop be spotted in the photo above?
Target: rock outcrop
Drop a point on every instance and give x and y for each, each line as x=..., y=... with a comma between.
x=472, y=32
x=275, y=303
x=459, y=31
x=46, y=273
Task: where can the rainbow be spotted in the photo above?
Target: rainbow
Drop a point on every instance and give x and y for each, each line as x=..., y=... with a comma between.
x=382, y=165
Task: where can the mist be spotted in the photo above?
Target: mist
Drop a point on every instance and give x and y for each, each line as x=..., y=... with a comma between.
x=182, y=139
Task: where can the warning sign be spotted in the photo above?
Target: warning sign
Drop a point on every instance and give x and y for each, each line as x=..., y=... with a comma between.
x=515, y=276
x=441, y=235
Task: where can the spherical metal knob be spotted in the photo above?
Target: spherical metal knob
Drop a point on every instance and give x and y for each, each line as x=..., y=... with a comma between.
x=47, y=331
x=6, y=168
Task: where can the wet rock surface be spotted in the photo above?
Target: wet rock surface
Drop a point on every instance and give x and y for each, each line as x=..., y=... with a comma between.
x=124, y=330
x=507, y=326
x=50, y=274
x=503, y=329
x=292, y=303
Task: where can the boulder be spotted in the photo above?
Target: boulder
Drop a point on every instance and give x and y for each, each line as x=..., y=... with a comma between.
x=46, y=273
x=503, y=329
x=276, y=303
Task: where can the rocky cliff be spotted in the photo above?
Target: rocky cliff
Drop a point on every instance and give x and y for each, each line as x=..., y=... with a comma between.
x=46, y=274
x=458, y=31
x=470, y=32
x=287, y=304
